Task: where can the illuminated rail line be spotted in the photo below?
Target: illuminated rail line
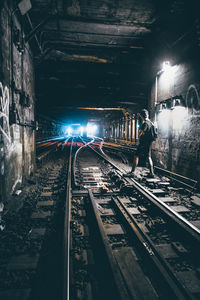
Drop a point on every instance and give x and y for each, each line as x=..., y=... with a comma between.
x=109, y=188
x=169, y=210
x=98, y=196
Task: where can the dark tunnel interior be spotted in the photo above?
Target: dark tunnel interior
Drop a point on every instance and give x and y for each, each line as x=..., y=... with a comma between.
x=99, y=63
x=76, y=75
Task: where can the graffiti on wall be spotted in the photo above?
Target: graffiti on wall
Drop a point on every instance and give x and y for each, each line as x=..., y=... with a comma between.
x=4, y=112
x=193, y=97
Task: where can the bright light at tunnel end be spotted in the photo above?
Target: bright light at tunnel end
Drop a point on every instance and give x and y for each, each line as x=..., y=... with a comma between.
x=69, y=130
x=74, y=130
x=78, y=130
x=91, y=129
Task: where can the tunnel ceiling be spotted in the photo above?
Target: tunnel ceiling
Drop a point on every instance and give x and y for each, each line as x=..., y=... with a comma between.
x=101, y=53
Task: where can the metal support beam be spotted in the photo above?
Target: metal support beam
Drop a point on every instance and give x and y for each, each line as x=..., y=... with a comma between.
x=131, y=133
x=123, y=110
x=36, y=38
x=37, y=28
x=127, y=129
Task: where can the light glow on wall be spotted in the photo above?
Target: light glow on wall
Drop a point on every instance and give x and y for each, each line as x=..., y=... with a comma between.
x=176, y=118
x=179, y=115
x=167, y=76
x=164, y=119
x=166, y=66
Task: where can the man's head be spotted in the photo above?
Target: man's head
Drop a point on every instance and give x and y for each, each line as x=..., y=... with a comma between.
x=144, y=114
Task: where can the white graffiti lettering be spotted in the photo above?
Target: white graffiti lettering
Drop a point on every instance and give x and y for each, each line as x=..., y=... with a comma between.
x=4, y=112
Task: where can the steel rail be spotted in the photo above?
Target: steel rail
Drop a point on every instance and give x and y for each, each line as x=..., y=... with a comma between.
x=176, y=288
x=124, y=148
x=117, y=277
x=50, y=140
x=66, y=237
x=45, y=151
x=190, y=228
x=162, y=266
x=75, y=158
x=177, y=177
x=176, y=217
x=42, y=155
x=101, y=145
x=187, y=182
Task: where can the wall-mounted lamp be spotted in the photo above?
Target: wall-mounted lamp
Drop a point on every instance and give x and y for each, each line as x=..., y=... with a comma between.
x=176, y=101
x=158, y=108
x=165, y=66
x=161, y=106
x=170, y=103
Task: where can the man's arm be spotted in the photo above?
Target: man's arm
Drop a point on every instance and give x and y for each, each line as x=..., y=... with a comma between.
x=142, y=129
x=141, y=132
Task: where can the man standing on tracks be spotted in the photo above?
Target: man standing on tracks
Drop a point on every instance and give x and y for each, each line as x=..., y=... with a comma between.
x=147, y=134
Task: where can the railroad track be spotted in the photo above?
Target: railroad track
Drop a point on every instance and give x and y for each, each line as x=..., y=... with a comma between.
x=135, y=230
x=179, y=180
x=30, y=259
x=48, y=146
x=123, y=238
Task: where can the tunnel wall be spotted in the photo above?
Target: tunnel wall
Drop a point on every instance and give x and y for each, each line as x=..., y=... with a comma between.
x=48, y=128
x=178, y=145
x=123, y=130
x=17, y=129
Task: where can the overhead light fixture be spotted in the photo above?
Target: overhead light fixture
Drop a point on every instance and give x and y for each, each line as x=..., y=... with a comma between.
x=24, y=6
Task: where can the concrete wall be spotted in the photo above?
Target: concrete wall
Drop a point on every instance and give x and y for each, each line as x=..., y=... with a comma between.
x=17, y=145
x=178, y=145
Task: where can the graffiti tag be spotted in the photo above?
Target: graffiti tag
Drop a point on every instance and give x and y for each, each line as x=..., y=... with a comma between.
x=4, y=112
